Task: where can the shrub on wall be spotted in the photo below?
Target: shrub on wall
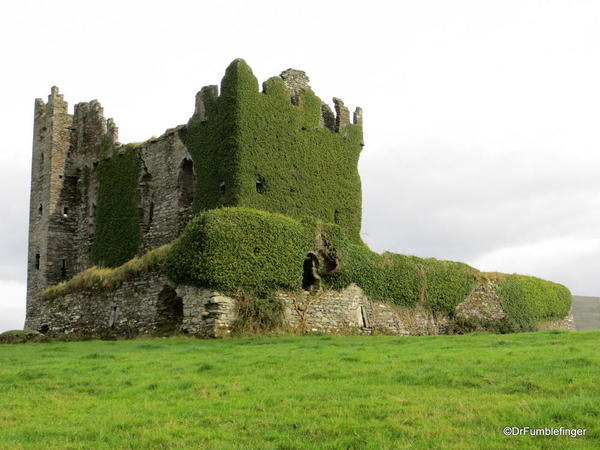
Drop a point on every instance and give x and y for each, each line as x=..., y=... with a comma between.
x=447, y=283
x=229, y=249
x=238, y=248
x=527, y=300
x=117, y=233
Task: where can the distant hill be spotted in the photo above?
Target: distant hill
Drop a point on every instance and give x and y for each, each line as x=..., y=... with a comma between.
x=586, y=311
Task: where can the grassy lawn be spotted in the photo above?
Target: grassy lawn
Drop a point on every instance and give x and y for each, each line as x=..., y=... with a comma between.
x=302, y=392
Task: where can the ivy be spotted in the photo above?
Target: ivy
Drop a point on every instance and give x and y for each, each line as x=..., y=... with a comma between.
x=528, y=300
x=117, y=233
x=232, y=249
x=258, y=150
x=272, y=185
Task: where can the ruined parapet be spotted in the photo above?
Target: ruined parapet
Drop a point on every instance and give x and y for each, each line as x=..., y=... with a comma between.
x=296, y=81
x=112, y=131
x=202, y=98
x=90, y=129
x=357, y=118
x=327, y=117
x=342, y=115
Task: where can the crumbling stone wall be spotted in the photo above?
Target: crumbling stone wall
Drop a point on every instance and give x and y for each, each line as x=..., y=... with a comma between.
x=145, y=304
x=150, y=303
x=166, y=189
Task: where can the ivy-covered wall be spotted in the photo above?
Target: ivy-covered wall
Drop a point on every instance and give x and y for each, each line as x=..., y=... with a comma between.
x=238, y=248
x=259, y=150
x=528, y=300
x=117, y=216
x=259, y=252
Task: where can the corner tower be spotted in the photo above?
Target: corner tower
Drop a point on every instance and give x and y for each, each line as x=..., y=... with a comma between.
x=51, y=141
x=65, y=149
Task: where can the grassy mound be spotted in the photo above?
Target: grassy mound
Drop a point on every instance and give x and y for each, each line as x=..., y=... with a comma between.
x=108, y=278
x=21, y=336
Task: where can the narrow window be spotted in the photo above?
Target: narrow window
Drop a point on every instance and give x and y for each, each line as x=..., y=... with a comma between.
x=93, y=210
x=37, y=261
x=65, y=212
x=63, y=269
x=222, y=187
x=261, y=186
x=42, y=157
x=185, y=183
x=151, y=213
x=113, y=317
x=364, y=321
x=40, y=209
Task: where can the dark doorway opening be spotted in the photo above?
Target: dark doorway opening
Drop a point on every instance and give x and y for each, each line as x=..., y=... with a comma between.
x=169, y=311
x=310, y=277
x=185, y=183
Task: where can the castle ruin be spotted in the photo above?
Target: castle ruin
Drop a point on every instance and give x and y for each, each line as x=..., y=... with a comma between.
x=96, y=202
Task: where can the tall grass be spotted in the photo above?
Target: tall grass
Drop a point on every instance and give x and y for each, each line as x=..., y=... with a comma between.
x=107, y=278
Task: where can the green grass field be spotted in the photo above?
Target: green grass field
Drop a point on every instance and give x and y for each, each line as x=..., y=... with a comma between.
x=302, y=392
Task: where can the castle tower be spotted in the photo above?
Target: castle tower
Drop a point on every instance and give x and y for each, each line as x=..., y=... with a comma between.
x=281, y=149
x=66, y=149
x=47, y=263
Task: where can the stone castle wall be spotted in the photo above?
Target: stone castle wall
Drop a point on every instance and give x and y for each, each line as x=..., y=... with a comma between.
x=150, y=303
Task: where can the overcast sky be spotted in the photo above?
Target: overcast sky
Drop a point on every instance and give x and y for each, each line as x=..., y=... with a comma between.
x=482, y=118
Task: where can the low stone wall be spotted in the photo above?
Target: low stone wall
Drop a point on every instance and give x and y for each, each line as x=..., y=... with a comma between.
x=205, y=312
x=350, y=310
x=129, y=310
x=150, y=303
x=144, y=304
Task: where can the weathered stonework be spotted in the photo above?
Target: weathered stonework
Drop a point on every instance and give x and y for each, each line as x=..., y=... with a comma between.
x=150, y=303
x=482, y=304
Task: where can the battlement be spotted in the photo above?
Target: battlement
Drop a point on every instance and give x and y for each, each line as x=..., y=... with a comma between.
x=297, y=83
